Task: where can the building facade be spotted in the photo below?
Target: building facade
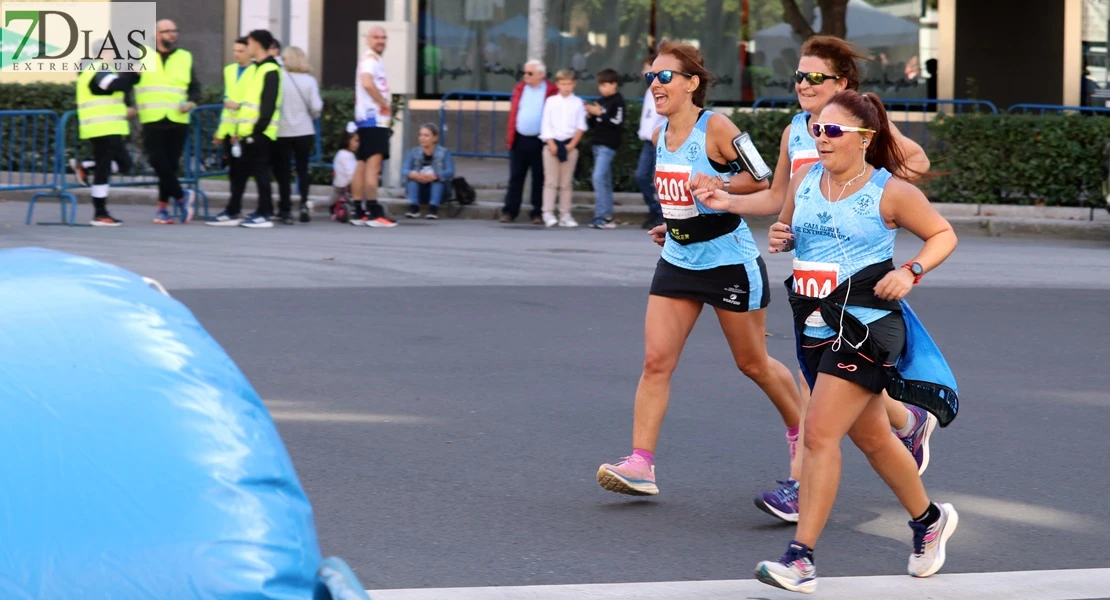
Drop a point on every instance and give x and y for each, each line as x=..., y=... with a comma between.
x=1020, y=51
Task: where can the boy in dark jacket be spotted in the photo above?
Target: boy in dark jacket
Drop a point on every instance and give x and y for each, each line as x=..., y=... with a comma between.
x=606, y=124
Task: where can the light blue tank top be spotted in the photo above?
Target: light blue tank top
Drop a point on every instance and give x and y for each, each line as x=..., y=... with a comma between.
x=672, y=168
x=864, y=238
x=801, y=147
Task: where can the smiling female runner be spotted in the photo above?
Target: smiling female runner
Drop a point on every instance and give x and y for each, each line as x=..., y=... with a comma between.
x=856, y=336
x=709, y=257
x=828, y=66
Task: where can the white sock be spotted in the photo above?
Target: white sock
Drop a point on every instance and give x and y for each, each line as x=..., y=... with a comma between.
x=911, y=422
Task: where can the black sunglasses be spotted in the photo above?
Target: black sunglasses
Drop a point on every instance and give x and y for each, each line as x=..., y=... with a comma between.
x=664, y=76
x=814, y=78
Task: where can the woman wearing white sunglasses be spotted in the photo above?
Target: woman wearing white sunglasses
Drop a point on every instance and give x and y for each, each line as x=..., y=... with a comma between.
x=828, y=66
x=855, y=333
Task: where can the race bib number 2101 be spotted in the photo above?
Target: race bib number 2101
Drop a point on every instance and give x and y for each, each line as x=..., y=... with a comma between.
x=675, y=200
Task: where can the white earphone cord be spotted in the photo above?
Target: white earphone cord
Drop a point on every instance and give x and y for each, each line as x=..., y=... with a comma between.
x=836, y=231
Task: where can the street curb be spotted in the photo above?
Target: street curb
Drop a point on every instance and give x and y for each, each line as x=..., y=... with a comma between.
x=965, y=219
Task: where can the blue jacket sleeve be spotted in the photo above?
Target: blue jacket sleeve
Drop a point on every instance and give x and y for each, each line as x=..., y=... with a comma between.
x=448, y=167
x=406, y=167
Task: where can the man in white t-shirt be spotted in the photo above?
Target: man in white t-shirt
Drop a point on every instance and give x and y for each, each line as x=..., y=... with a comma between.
x=373, y=117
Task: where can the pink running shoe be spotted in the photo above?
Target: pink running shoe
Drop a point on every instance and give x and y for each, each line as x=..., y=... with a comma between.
x=633, y=475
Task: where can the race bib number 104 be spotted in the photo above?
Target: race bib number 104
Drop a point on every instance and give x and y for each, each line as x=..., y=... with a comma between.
x=816, y=280
x=674, y=199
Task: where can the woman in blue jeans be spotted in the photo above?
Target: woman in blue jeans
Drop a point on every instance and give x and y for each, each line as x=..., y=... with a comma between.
x=429, y=169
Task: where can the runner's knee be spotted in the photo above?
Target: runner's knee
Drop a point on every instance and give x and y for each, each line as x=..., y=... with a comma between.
x=659, y=362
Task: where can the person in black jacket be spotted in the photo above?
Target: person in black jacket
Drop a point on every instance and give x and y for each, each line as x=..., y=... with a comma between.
x=257, y=146
x=606, y=123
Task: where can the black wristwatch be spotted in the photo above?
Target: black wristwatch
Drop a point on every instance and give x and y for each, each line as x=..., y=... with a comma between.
x=916, y=269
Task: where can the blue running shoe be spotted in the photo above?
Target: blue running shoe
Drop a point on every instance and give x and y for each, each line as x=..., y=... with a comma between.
x=781, y=503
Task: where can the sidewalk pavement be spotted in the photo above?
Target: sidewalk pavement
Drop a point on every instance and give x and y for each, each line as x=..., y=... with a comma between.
x=489, y=177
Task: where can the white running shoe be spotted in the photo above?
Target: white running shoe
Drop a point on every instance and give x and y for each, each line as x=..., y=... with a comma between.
x=567, y=221
x=929, y=542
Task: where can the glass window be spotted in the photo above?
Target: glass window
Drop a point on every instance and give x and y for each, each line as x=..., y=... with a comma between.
x=900, y=35
x=1093, y=90
x=748, y=44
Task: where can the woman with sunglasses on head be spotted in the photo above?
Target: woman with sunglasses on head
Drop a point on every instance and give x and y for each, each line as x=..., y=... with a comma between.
x=709, y=257
x=828, y=66
x=856, y=336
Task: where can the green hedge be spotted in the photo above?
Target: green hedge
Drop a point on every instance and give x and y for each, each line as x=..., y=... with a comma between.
x=989, y=159
x=1019, y=159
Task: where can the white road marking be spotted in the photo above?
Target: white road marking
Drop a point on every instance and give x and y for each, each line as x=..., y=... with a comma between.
x=1078, y=584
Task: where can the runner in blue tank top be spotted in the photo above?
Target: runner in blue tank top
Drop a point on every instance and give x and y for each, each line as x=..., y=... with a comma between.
x=840, y=218
x=827, y=66
x=709, y=257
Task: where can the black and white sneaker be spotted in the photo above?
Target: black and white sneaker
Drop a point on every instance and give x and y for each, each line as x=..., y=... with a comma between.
x=224, y=220
x=257, y=221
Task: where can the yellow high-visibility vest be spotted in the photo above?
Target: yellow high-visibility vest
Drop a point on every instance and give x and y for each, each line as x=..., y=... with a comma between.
x=99, y=115
x=160, y=92
x=234, y=86
x=249, y=109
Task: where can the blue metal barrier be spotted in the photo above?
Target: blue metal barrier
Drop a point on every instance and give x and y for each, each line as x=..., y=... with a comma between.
x=917, y=129
x=71, y=148
x=208, y=158
x=496, y=145
x=1040, y=109
x=494, y=112
x=29, y=159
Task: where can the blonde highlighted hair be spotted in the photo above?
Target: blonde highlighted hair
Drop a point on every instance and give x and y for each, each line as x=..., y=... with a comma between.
x=295, y=60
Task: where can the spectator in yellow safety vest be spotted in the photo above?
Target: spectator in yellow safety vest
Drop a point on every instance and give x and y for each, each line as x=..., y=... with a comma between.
x=102, y=115
x=164, y=97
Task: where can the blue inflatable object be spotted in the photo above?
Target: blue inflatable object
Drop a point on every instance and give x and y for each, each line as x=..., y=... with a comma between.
x=138, y=461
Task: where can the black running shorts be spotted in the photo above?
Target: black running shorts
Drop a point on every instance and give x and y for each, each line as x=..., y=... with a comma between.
x=373, y=140
x=735, y=288
x=850, y=365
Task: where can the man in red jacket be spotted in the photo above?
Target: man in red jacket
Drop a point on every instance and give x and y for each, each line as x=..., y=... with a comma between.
x=523, y=140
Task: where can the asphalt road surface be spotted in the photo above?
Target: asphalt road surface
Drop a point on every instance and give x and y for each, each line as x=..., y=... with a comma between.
x=447, y=391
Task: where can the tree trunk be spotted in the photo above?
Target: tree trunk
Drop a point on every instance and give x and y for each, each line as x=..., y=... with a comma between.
x=792, y=15
x=537, y=30
x=834, y=18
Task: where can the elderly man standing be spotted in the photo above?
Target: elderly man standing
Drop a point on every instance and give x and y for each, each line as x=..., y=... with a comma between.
x=164, y=97
x=523, y=140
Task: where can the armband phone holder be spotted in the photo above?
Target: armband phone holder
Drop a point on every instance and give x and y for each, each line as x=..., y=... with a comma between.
x=749, y=159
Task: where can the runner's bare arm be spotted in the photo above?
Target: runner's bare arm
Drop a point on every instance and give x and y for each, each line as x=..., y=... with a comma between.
x=719, y=133
x=765, y=202
x=367, y=83
x=905, y=206
x=917, y=162
x=780, y=238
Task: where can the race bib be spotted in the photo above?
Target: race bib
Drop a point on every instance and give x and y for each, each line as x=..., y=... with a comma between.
x=816, y=280
x=803, y=158
x=674, y=199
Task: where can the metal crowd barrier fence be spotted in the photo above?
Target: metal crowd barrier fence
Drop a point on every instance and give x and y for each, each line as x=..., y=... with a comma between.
x=1040, y=109
x=29, y=159
x=483, y=106
x=912, y=116
x=209, y=158
x=72, y=154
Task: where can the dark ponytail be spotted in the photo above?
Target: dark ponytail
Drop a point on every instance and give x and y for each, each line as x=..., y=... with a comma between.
x=882, y=150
